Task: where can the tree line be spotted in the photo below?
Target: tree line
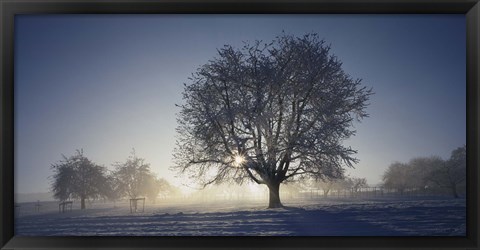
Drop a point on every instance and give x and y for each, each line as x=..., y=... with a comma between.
x=345, y=183
x=78, y=178
x=429, y=173
x=432, y=174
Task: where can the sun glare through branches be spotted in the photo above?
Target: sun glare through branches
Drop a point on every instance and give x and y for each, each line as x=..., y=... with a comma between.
x=238, y=160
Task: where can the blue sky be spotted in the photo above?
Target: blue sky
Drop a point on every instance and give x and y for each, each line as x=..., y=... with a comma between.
x=109, y=83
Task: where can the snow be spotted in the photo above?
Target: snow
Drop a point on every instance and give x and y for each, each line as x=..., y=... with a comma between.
x=409, y=216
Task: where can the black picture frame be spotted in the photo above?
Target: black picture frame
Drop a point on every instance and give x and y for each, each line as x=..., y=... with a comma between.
x=9, y=8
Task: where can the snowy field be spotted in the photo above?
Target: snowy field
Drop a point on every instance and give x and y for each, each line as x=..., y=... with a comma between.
x=412, y=216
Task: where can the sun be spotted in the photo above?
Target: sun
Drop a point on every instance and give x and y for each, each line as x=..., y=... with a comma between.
x=238, y=160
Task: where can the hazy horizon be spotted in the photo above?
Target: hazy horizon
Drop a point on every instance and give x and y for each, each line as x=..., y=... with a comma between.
x=109, y=83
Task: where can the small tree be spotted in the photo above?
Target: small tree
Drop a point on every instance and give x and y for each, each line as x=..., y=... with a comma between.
x=452, y=172
x=132, y=176
x=62, y=185
x=326, y=186
x=358, y=183
x=79, y=178
x=397, y=177
x=155, y=186
x=152, y=188
x=268, y=113
x=420, y=169
x=114, y=191
x=331, y=184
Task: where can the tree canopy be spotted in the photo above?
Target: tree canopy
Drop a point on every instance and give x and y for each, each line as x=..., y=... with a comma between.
x=269, y=113
x=77, y=177
x=452, y=172
x=133, y=177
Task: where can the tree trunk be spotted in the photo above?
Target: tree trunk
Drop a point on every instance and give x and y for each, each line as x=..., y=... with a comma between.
x=82, y=202
x=325, y=192
x=274, y=197
x=454, y=191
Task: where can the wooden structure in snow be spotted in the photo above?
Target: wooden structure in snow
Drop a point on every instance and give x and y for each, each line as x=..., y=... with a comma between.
x=65, y=206
x=134, y=204
x=37, y=206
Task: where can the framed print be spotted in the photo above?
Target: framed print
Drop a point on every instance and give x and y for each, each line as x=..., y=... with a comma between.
x=250, y=125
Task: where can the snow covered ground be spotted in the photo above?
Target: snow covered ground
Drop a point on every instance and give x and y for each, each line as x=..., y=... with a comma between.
x=410, y=216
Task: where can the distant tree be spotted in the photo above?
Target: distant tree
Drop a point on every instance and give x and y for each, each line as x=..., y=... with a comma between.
x=152, y=188
x=114, y=192
x=358, y=183
x=268, y=113
x=452, y=172
x=397, y=177
x=419, y=169
x=331, y=184
x=325, y=185
x=345, y=183
x=79, y=178
x=292, y=188
x=155, y=186
x=132, y=177
x=172, y=191
x=62, y=185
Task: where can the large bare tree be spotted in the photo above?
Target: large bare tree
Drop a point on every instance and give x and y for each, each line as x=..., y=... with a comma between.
x=269, y=113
